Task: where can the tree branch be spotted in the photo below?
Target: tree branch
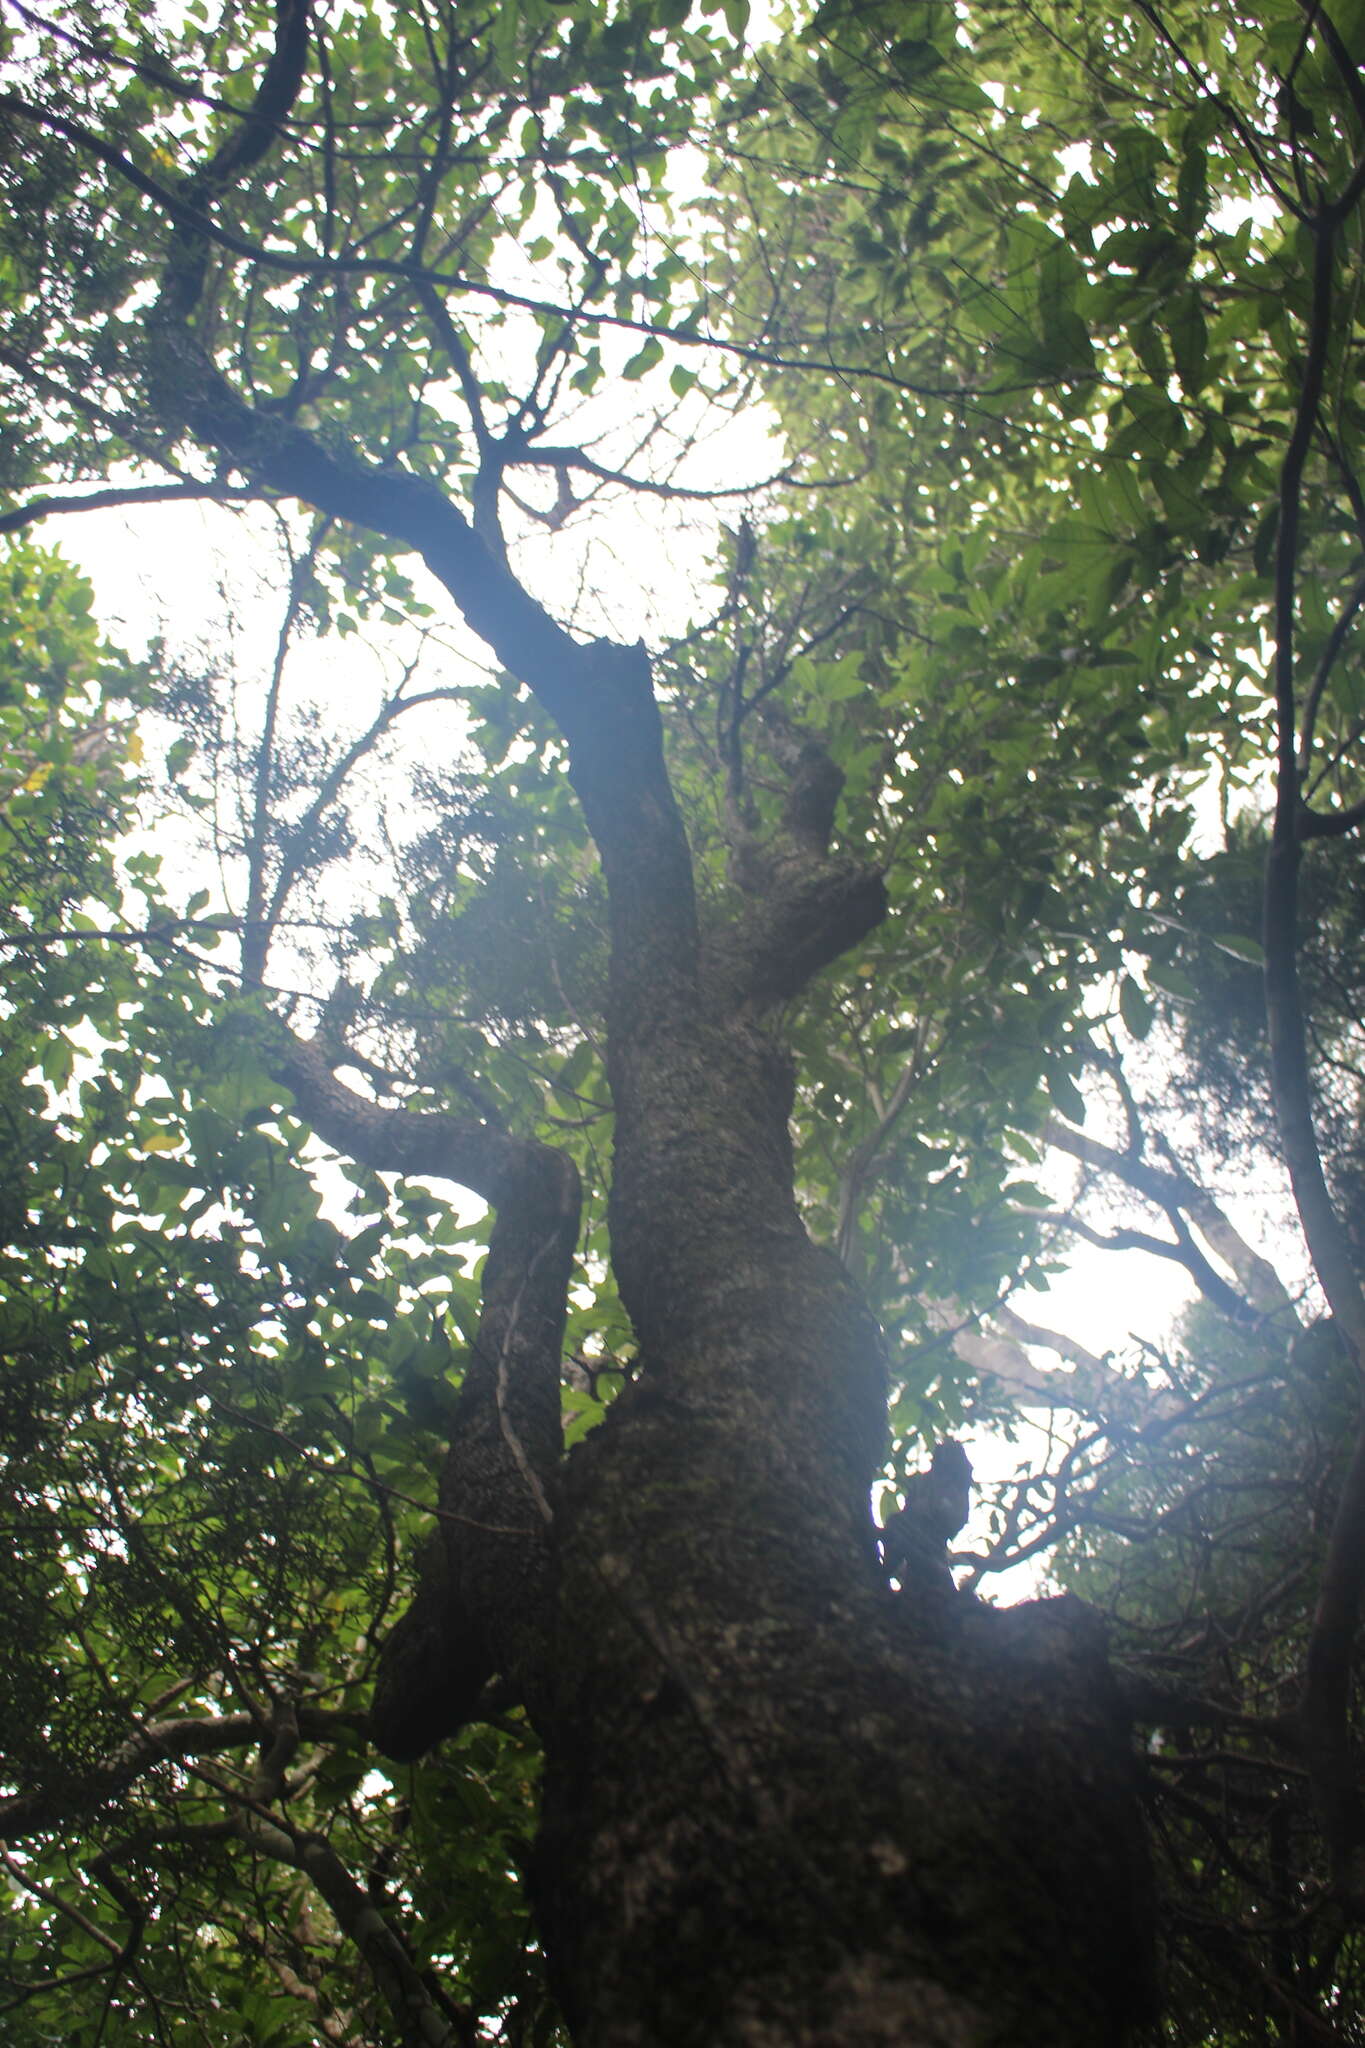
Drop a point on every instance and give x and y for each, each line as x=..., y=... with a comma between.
x=1322, y=675
x=807, y=905
x=244, y=146
x=1328, y=1664
x=1172, y=1190
x=1330, y=824
x=1325, y=1706
x=994, y=1347
x=1328, y=1244
x=257, y=929
x=378, y=1944
x=1347, y=69
x=157, y=1742
x=481, y=1603
x=854, y=1180
x=21, y=516
x=1180, y=1251
x=810, y=914
x=402, y=1140
x=538, y=456
x=492, y=457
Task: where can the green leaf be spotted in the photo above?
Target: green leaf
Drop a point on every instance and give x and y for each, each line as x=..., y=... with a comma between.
x=644, y=359
x=1172, y=981
x=1134, y=1008
x=1241, y=948
x=1188, y=333
x=1067, y=1099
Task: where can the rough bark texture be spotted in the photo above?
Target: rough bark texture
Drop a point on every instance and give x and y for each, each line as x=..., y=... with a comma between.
x=484, y=1600
x=483, y=1604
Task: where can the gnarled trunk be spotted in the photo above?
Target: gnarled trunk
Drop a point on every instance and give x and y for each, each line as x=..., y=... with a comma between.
x=785, y=1803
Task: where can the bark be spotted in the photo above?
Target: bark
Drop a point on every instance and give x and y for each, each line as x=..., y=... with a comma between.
x=1330, y=1658
x=782, y=1802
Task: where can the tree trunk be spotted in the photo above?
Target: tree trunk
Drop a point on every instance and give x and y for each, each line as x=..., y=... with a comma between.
x=776, y=1810
x=783, y=1802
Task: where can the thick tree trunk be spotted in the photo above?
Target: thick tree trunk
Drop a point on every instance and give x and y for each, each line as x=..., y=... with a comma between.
x=785, y=1803
x=775, y=1816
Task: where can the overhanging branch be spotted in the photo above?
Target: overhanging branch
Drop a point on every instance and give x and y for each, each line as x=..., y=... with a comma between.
x=167, y=1741
x=476, y=1156
x=1178, y=1196
x=416, y=2013
x=20, y=516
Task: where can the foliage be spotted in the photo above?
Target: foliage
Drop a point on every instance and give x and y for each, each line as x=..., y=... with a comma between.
x=210, y=1472
x=1034, y=302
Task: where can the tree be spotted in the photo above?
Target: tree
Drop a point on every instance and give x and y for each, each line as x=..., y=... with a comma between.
x=898, y=809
